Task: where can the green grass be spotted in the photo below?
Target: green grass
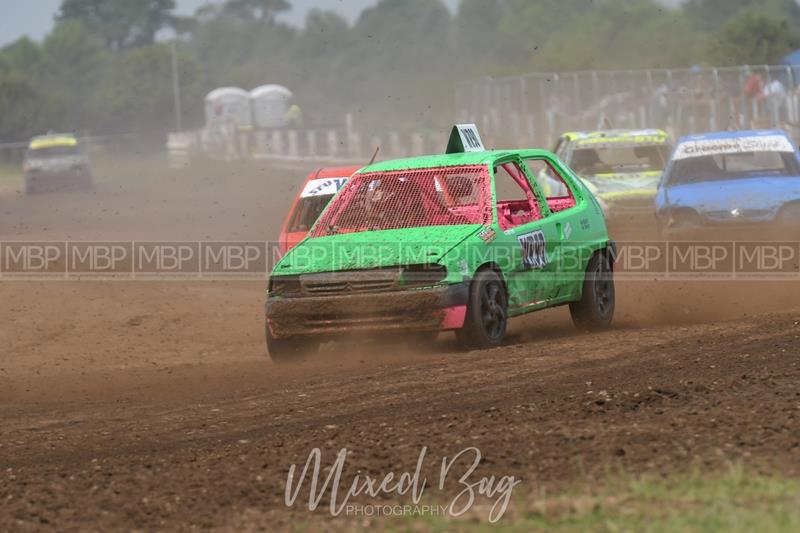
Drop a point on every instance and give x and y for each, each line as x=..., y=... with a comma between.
x=736, y=501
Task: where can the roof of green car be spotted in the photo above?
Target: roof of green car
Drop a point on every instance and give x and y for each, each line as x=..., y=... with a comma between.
x=449, y=160
x=578, y=135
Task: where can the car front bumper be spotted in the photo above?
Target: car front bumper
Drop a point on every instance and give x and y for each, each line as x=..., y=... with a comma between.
x=440, y=308
x=57, y=178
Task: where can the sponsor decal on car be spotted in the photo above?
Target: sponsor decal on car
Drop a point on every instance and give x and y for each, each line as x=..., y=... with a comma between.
x=633, y=140
x=488, y=235
x=52, y=142
x=568, y=230
x=766, y=143
x=323, y=187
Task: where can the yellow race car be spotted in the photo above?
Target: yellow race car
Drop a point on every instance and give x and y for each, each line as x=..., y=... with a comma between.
x=56, y=162
x=621, y=167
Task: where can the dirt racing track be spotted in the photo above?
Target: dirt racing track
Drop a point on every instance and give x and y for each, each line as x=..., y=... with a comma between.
x=152, y=404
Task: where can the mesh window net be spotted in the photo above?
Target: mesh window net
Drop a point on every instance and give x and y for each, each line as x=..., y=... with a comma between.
x=409, y=199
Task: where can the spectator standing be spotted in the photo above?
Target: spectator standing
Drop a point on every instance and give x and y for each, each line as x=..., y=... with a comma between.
x=753, y=93
x=775, y=94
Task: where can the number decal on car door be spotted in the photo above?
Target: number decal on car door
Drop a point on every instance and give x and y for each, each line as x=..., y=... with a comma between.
x=533, y=244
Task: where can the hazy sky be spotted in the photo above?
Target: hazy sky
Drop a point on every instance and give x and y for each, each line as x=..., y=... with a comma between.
x=35, y=17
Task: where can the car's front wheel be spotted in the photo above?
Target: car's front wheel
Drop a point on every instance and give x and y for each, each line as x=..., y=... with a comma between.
x=292, y=350
x=789, y=221
x=789, y=216
x=487, y=312
x=595, y=310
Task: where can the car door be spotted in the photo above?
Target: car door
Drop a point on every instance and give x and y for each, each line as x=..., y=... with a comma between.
x=527, y=241
x=566, y=212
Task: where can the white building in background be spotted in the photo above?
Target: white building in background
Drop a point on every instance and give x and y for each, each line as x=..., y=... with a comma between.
x=270, y=105
x=228, y=106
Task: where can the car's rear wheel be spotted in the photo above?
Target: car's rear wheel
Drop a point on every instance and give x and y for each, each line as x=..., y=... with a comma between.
x=292, y=350
x=487, y=312
x=595, y=310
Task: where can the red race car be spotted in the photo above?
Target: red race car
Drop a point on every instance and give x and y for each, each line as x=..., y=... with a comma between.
x=319, y=188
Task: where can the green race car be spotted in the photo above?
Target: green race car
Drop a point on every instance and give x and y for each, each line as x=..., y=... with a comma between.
x=457, y=242
x=621, y=167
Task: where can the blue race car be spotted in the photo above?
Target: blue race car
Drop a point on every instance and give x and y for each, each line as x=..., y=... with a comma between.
x=730, y=179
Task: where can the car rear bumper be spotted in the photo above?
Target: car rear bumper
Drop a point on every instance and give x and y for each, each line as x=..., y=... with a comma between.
x=441, y=308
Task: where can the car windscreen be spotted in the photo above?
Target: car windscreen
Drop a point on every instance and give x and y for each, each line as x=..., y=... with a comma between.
x=51, y=152
x=718, y=167
x=623, y=159
x=409, y=199
x=307, y=212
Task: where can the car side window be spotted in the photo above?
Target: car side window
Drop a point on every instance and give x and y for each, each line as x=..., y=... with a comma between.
x=516, y=203
x=555, y=189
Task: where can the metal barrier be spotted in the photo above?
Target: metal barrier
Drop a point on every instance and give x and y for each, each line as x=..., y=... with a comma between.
x=12, y=154
x=331, y=146
x=519, y=111
x=534, y=109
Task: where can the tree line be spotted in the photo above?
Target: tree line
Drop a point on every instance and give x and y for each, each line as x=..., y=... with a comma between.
x=105, y=67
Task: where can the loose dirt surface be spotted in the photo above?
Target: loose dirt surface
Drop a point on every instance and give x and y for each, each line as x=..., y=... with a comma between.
x=152, y=405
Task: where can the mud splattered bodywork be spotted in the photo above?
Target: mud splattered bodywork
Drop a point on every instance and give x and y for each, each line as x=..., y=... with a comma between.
x=622, y=167
x=399, y=246
x=384, y=309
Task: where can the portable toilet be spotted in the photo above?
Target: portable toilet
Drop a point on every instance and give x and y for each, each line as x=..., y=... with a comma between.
x=270, y=105
x=228, y=106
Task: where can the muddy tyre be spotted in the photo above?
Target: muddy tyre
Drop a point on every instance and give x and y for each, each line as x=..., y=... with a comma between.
x=790, y=214
x=293, y=350
x=487, y=312
x=789, y=220
x=595, y=310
